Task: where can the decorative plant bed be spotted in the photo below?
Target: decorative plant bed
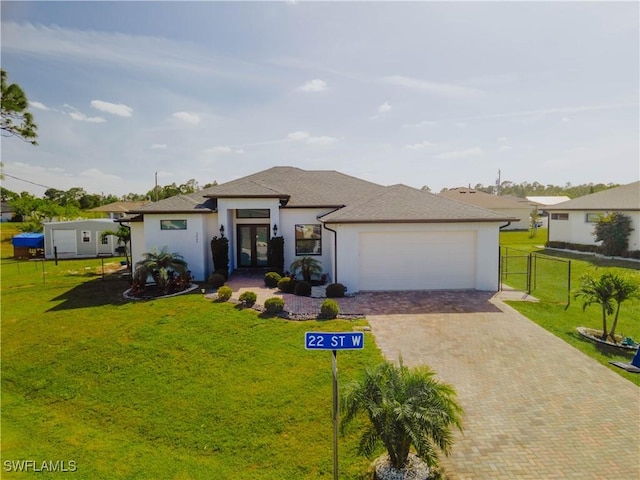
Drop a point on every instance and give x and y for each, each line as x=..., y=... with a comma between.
x=595, y=336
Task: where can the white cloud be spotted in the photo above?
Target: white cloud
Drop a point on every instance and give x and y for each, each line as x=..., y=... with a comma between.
x=192, y=118
x=118, y=109
x=315, y=85
x=310, y=140
x=461, y=124
x=81, y=117
x=505, y=148
x=444, y=89
x=224, y=149
x=298, y=135
x=470, y=152
x=384, y=108
x=502, y=139
x=159, y=146
x=38, y=105
x=321, y=140
x=419, y=146
x=565, y=120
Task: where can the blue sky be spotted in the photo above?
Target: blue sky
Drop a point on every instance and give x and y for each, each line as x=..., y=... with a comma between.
x=422, y=93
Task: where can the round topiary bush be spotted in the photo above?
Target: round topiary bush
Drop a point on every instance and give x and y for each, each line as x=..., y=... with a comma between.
x=329, y=309
x=271, y=279
x=303, y=289
x=336, y=290
x=248, y=298
x=273, y=305
x=224, y=293
x=287, y=284
x=216, y=280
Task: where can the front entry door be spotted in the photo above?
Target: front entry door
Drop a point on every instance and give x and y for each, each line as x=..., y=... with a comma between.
x=252, y=245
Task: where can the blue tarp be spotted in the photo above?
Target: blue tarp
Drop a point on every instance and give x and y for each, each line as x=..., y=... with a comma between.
x=31, y=240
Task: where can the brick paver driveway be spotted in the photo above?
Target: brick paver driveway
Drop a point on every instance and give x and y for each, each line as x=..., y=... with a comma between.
x=535, y=407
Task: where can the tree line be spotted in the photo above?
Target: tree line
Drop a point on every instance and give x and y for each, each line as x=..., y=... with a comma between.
x=526, y=189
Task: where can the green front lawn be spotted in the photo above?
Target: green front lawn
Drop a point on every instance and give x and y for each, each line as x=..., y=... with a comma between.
x=551, y=289
x=180, y=388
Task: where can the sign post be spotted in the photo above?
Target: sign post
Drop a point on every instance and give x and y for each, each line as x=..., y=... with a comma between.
x=334, y=342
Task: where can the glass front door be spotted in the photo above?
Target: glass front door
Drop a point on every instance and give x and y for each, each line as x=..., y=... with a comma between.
x=252, y=245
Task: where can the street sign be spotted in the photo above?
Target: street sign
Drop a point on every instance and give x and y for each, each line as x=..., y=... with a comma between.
x=334, y=341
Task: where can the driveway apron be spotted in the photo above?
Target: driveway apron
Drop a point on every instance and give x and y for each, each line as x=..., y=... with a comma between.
x=535, y=407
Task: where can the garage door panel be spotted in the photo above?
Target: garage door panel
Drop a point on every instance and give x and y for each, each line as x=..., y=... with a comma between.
x=417, y=260
x=65, y=242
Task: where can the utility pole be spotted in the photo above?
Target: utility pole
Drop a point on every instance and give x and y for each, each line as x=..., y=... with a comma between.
x=156, y=187
x=498, y=183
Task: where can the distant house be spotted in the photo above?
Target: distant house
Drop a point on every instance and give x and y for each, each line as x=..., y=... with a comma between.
x=117, y=210
x=79, y=238
x=573, y=221
x=366, y=236
x=7, y=212
x=519, y=209
x=542, y=202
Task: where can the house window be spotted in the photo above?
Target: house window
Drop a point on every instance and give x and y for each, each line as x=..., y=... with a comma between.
x=559, y=216
x=309, y=239
x=252, y=213
x=173, y=224
x=592, y=217
x=104, y=239
x=86, y=236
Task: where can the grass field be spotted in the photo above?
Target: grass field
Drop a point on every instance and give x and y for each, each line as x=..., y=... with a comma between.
x=181, y=388
x=551, y=289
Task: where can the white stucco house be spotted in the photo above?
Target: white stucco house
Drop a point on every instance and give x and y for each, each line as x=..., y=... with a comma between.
x=366, y=236
x=520, y=209
x=79, y=238
x=573, y=221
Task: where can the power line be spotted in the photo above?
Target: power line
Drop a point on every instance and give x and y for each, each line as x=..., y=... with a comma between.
x=26, y=181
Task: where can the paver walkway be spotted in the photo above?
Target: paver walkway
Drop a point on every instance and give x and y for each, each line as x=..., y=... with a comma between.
x=535, y=407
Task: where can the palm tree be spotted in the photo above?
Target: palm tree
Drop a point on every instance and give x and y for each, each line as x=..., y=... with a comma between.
x=308, y=266
x=123, y=235
x=600, y=291
x=625, y=288
x=160, y=266
x=406, y=407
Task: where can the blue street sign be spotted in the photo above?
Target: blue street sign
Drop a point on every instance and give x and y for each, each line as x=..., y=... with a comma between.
x=334, y=341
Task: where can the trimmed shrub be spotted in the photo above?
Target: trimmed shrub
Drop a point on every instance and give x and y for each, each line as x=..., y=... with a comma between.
x=220, y=253
x=287, y=284
x=271, y=279
x=216, y=280
x=303, y=289
x=336, y=290
x=224, y=293
x=274, y=305
x=329, y=309
x=248, y=298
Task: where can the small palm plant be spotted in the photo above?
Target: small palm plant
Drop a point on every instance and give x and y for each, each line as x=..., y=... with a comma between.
x=599, y=291
x=625, y=288
x=308, y=267
x=405, y=407
x=161, y=266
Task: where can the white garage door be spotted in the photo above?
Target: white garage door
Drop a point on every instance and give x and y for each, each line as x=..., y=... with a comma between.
x=65, y=242
x=417, y=260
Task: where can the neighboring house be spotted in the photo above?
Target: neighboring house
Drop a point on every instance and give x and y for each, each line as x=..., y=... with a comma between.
x=366, y=236
x=541, y=202
x=117, y=210
x=79, y=238
x=6, y=213
x=505, y=206
x=574, y=221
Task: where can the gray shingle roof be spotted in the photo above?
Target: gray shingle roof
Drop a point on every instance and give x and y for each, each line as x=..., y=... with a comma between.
x=403, y=204
x=191, y=203
x=625, y=197
x=299, y=188
x=482, y=199
x=363, y=202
